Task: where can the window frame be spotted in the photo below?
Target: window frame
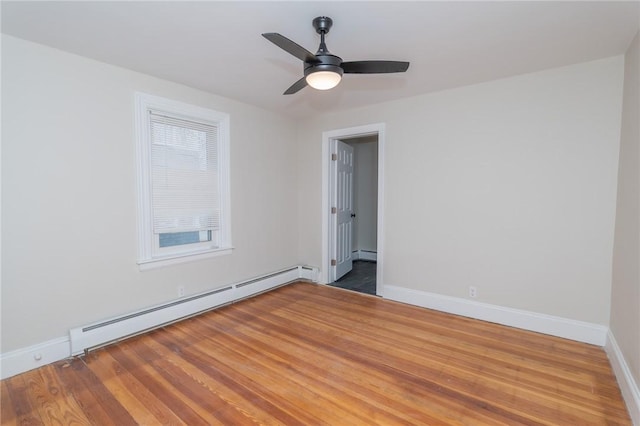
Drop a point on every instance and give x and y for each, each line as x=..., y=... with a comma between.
x=149, y=253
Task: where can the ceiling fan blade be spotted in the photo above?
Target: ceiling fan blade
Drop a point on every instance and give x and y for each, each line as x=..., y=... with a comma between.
x=374, y=67
x=296, y=87
x=292, y=47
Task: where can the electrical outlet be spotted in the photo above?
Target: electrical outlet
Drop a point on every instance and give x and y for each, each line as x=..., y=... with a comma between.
x=181, y=291
x=473, y=292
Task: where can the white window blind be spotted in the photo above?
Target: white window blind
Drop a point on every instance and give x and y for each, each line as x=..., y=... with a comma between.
x=184, y=211
x=184, y=175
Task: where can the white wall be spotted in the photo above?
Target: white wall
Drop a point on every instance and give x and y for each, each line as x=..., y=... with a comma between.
x=365, y=183
x=509, y=186
x=625, y=299
x=69, y=201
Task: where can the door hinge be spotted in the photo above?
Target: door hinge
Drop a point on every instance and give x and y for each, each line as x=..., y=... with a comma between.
x=333, y=262
x=334, y=157
x=334, y=210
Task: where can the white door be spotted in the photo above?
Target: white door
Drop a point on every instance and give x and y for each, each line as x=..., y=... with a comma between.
x=344, y=208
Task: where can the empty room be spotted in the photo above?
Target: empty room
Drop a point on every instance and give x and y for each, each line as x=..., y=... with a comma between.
x=185, y=185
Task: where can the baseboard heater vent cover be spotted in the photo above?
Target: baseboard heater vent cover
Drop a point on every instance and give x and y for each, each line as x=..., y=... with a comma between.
x=99, y=334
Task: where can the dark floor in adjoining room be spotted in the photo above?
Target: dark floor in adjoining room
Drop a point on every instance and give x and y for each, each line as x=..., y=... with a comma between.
x=362, y=278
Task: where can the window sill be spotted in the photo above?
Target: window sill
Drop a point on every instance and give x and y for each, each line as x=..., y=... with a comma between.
x=160, y=262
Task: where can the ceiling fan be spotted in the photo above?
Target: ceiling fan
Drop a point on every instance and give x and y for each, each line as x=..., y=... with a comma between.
x=324, y=70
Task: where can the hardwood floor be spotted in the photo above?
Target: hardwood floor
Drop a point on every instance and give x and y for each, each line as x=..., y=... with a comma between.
x=307, y=354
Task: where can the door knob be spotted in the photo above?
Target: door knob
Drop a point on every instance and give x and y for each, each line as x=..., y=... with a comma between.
x=353, y=215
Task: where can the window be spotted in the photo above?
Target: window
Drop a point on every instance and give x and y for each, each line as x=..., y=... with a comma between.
x=183, y=182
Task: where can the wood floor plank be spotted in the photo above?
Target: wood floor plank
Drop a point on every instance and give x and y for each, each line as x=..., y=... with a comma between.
x=264, y=388
x=273, y=361
x=449, y=336
x=23, y=413
x=357, y=384
x=8, y=414
x=47, y=396
x=97, y=403
x=308, y=354
x=192, y=390
x=564, y=365
x=393, y=366
x=468, y=332
x=230, y=404
x=143, y=406
x=143, y=369
x=394, y=336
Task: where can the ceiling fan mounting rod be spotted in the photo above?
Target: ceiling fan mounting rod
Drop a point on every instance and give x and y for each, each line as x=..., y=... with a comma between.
x=322, y=24
x=322, y=49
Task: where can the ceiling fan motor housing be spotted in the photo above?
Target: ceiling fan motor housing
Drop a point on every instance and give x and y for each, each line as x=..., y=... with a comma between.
x=326, y=62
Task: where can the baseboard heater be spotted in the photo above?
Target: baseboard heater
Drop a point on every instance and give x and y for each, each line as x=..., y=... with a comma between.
x=99, y=334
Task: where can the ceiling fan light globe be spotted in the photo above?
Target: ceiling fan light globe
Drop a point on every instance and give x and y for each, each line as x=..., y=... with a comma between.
x=323, y=80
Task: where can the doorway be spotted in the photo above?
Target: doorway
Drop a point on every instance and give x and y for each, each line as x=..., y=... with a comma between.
x=352, y=228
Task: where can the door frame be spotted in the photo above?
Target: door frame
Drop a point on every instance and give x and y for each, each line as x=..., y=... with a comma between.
x=327, y=272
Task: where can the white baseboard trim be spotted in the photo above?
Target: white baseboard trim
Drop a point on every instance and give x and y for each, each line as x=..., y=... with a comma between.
x=92, y=335
x=626, y=382
x=556, y=326
x=25, y=359
x=369, y=255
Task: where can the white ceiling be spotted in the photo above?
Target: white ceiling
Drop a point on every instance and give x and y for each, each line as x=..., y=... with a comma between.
x=218, y=47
